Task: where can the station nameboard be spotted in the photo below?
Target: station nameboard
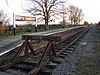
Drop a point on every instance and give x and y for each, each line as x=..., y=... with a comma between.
x=24, y=18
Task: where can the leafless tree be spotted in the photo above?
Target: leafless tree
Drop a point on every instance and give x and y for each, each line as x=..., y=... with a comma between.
x=80, y=16
x=3, y=20
x=63, y=14
x=45, y=9
x=75, y=14
x=3, y=17
x=70, y=13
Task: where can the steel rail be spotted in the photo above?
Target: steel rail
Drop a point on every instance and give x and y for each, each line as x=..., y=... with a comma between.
x=49, y=48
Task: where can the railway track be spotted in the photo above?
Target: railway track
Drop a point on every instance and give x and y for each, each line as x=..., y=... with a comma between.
x=25, y=60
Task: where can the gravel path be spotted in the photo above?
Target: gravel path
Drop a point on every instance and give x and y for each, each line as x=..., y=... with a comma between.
x=84, y=55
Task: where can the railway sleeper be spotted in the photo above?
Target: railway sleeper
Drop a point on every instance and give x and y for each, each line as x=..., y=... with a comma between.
x=51, y=65
x=29, y=62
x=61, y=56
x=35, y=58
x=58, y=60
x=15, y=72
x=49, y=68
x=5, y=73
x=70, y=49
x=64, y=53
x=73, y=46
x=23, y=67
x=45, y=71
x=56, y=50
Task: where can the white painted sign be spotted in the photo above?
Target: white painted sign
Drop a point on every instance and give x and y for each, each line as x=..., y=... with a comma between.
x=24, y=18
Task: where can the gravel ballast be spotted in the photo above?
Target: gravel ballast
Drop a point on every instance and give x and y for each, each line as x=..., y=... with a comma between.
x=84, y=60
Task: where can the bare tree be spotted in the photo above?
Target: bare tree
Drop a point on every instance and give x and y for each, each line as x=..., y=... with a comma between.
x=75, y=14
x=80, y=16
x=63, y=14
x=45, y=9
x=3, y=21
x=70, y=13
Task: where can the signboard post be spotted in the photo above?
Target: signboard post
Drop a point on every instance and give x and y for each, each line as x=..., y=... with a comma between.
x=36, y=25
x=24, y=18
x=14, y=25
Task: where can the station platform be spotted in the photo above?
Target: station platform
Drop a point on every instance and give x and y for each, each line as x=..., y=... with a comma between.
x=11, y=42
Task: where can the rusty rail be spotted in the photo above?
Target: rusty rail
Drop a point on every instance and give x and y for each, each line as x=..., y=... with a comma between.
x=49, y=49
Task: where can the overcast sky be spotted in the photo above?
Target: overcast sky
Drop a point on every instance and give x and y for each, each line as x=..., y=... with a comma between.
x=90, y=8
